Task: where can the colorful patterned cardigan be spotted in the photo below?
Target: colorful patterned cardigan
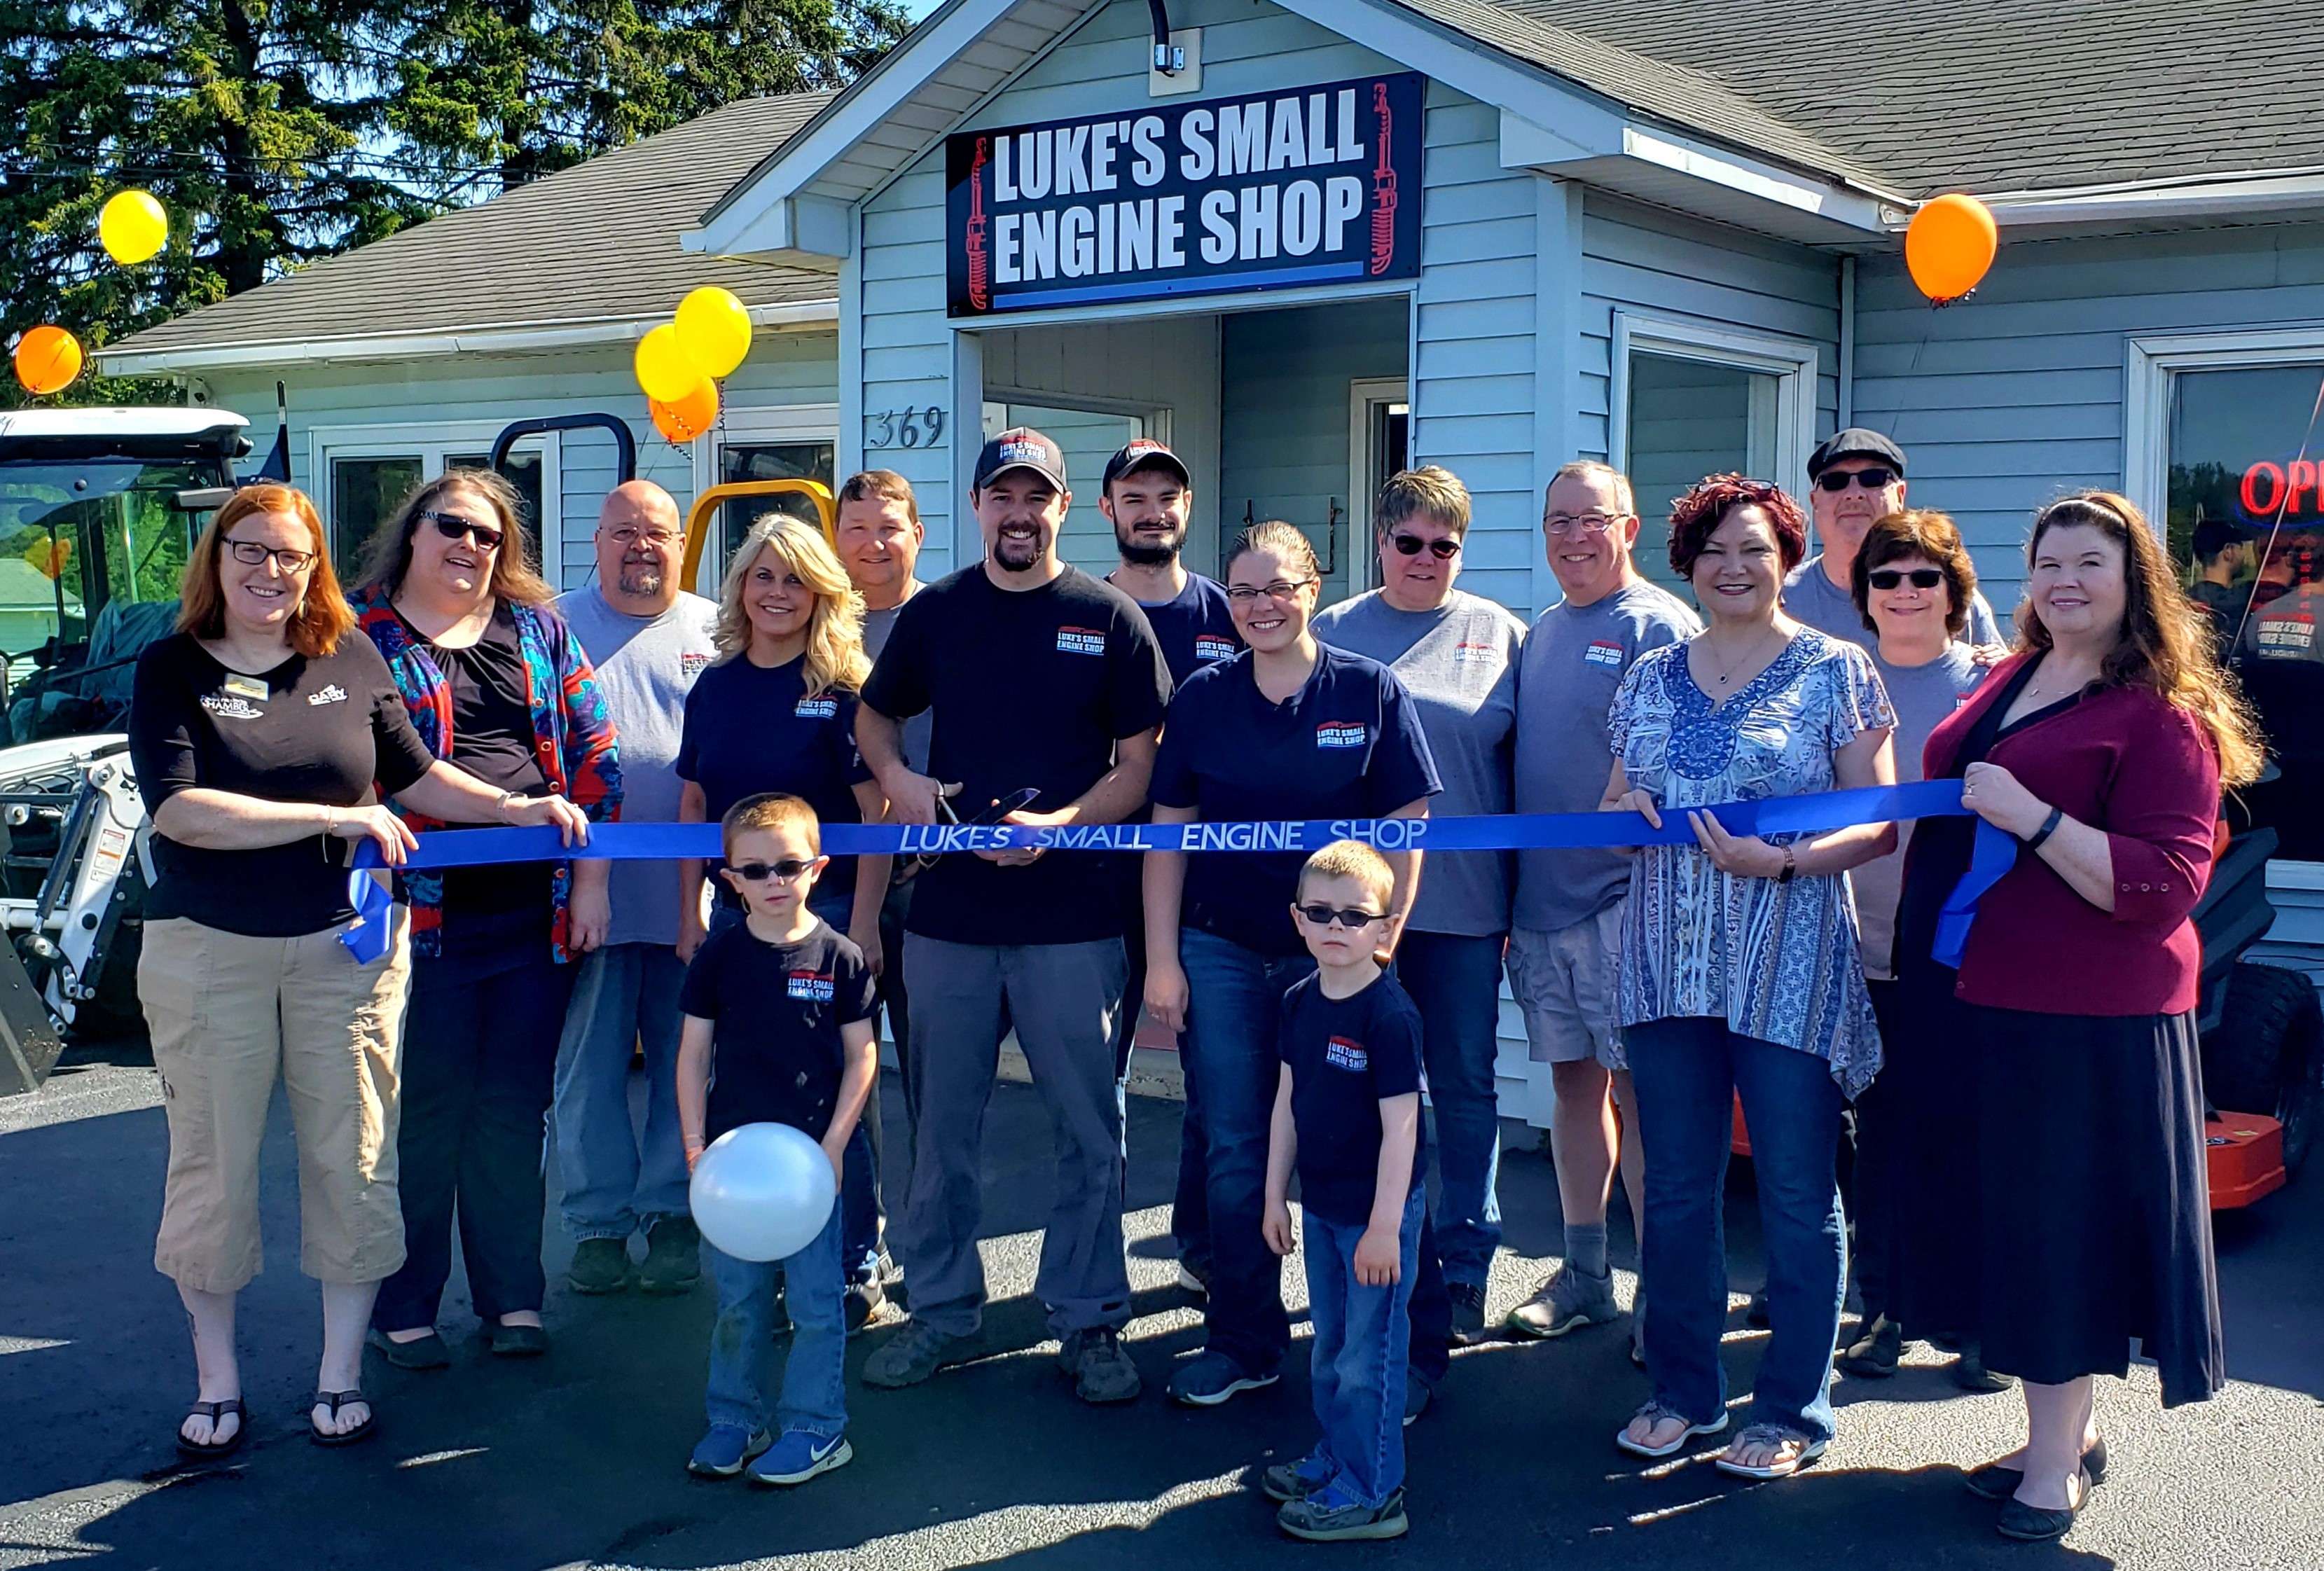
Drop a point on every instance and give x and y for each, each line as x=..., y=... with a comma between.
x=573, y=739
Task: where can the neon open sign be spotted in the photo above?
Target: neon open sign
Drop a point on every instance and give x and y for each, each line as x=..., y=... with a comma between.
x=2289, y=489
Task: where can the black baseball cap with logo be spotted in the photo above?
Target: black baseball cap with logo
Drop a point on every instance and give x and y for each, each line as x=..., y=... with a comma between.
x=1020, y=448
x=1145, y=453
x=1855, y=442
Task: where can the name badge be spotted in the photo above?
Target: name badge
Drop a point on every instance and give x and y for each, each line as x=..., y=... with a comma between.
x=241, y=687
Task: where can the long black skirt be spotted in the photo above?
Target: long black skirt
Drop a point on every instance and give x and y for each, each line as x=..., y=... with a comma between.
x=2057, y=1208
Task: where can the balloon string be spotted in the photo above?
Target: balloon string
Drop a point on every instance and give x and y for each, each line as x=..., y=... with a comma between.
x=2275, y=526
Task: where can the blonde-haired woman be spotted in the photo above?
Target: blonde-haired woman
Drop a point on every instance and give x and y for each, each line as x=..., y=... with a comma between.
x=776, y=713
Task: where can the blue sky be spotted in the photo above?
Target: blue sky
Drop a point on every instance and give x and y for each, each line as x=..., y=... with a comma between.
x=919, y=8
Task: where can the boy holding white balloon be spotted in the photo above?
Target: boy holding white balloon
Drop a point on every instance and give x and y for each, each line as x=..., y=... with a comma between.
x=776, y=1030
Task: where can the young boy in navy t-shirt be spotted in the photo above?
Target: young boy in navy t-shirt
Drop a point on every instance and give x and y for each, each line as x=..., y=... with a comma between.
x=1347, y=1114
x=776, y=1029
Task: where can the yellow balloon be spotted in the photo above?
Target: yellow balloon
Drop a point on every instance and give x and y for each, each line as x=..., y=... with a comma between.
x=132, y=227
x=663, y=369
x=714, y=328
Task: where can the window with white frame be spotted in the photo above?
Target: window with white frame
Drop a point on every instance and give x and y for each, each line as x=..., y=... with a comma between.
x=1691, y=398
x=2222, y=454
x=364, y=473
x=796, y=442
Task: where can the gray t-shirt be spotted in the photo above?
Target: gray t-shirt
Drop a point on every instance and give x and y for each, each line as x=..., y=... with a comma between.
x=1574, y=661
x=877, y=626
x=1458, y=663
x=1923, y=696
x=645, y=666
x=1811, y=597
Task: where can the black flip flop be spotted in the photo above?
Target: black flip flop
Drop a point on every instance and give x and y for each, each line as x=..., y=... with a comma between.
x=214, y=1412
x=334, y=1401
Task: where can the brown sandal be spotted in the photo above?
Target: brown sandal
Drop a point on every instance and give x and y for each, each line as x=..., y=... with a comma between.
x=334, y=1401
x=214, y=1412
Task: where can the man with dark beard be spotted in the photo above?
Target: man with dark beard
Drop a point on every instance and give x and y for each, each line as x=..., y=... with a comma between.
x=1042, y=680
x=649, y=639
x=1146, y=496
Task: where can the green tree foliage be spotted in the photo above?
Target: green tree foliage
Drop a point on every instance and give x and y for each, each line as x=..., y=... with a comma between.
x=280, y=130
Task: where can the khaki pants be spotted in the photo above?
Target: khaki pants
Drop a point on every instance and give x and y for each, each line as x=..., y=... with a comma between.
x=228, y=1014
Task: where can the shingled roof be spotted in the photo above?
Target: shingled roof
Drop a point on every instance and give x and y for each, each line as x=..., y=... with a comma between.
x=1916, y=96
x=596, y=243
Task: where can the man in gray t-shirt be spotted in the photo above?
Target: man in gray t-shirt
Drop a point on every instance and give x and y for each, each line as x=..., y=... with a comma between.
x=648, y=640
x=1569, y=903
x=1854, y=477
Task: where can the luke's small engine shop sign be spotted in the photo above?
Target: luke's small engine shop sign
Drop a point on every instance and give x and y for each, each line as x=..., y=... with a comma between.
x=1311, y=185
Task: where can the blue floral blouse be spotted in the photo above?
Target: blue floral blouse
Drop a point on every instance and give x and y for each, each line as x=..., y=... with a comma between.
x=1777, y=961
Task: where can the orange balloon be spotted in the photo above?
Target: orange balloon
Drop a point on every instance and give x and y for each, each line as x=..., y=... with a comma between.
x=684, y=419
x=1949, y=247
x=47, y=359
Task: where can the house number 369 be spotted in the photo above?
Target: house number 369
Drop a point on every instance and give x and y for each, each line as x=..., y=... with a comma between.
x=904, y=427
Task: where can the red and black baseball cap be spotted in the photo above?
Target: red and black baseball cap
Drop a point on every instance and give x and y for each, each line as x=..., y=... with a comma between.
x=1145, y=453
x=1020, y=448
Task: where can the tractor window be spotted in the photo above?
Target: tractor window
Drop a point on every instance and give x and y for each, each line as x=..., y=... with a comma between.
x=75, y=536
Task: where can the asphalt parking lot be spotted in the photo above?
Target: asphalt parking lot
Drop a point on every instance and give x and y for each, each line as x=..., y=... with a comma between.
x=576, y=1460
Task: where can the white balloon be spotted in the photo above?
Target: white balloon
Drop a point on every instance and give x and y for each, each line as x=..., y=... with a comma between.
x=763, y=1192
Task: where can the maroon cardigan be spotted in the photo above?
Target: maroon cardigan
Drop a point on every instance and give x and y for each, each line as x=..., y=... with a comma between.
x=2124, y=761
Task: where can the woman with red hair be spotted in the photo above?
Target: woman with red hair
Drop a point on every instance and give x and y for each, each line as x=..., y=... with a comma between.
x=258, y=729
x=1739, y=970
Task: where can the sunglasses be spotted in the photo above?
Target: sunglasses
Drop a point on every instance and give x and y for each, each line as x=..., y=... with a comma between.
x=1332, y=916
x=1410, y=545
x=252, y=554
x=1921, y=577
x=788, y=868
x=1836, y=481
x=452, y=526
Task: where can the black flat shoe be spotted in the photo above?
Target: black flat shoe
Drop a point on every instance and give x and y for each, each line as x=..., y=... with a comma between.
x=518, y=1341
x=1997, y=1482
x=2029, y=1524
x=214, y=1412
x=426, y=1351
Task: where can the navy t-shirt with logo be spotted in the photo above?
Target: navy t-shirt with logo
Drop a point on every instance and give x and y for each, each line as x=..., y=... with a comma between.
x=1347, y=1056
x=1031, y=688
x=753, y=728
x=1347, y=746
x=1195, y=629
x=776, y=1009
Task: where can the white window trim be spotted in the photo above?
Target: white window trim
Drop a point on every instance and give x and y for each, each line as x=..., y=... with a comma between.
x=1793, y=362
x=1363, y=394
x=2153, y=358
x=745, y=426
x=431, y=439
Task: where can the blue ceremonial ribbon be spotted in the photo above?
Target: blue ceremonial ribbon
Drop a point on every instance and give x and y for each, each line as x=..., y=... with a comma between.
x=1811, y=814
x=1992, y=853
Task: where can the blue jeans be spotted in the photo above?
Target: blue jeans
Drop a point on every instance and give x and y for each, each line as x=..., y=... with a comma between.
x=815, y=1371
x=613, y=1176
x=1362, y=1335
x=1455, y=982
x=1687, y=1071
x=1234, y=998
x=859, y=1200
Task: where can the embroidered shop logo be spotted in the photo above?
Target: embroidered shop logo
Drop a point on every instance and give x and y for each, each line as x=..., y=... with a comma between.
x=691, y=666
x=1211, y=646
x=811, y=985
x=1470, y=653
x=1340, y=734
x=1080, y=641
x=231, y=708
x=1342, y=1054
x=1024, y=453
x=334, y=693
x=823, y=708
x=1602, y=653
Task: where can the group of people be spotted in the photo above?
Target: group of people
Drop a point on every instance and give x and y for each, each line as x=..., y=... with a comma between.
x=1977, y=1090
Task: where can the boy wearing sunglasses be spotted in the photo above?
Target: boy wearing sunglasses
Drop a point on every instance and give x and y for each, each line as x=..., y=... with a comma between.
x=777, y=1029
x=1855, y=478
x=1347, y=1115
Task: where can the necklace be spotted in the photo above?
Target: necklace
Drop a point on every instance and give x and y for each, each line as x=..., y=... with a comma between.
x=1728, y=674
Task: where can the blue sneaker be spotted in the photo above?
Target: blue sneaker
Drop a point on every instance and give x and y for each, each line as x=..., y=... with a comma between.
x=721, y=1452
x=1208, y=1379
x=1332, y=1514
x=1290, y=1481
x=798, y=1456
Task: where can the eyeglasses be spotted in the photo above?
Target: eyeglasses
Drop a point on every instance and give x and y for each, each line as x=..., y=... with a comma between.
x=1921, y=577
x=1873, y=479
x=252, y=554
x=1410, y=545
x=1281, y=589
x=1579, y=522
x=1332, y=916
x=788, y=868
x=452, y=526
x=627, y=535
